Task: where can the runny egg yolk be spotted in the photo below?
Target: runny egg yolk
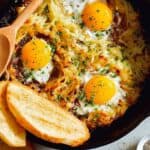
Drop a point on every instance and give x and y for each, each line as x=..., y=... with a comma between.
x=36, y=54
x=100, y=89
x=97, y=16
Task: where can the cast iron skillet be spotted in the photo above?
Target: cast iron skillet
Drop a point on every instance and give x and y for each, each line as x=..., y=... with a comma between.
x=134, y=115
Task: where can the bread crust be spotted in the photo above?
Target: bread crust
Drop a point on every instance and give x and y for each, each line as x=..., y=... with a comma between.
x=28, y=146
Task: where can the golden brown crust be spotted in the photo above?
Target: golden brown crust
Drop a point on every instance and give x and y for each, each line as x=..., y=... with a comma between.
x=29, y=146
x=43, y=118
x=10, y=131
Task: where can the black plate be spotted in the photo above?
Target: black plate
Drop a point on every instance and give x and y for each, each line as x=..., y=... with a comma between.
x=134, y=115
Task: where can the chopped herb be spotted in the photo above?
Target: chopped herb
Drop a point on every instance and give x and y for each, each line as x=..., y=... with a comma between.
x=47, y=46
x=82, y=72
x=95, y=117
x=91, y=102
x=81, y=95
x=99, y=34
x=59, y=33
x=67, y=98
x=116, y=58
x=110, y=105
x=42, y=72
x=28, y=74
x=45, y=25
x=59, y=97
x=73, y=17
x=55, y=40
x=104, y=71
x=53, y=48
x=92, y=99
x=75, y=61
x=74, y=109
x=96, y=108
x=113, y=74
x=46, y=10
x=86, y=104
x=68, y=82
x=81, y=25
x=84, y=62
x=124, y=58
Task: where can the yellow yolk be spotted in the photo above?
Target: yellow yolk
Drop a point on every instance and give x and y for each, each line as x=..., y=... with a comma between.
x=36, y=54
x=97, y=16
x=100, y=89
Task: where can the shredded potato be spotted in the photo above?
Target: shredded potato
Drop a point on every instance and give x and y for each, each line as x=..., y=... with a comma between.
x=120, y=52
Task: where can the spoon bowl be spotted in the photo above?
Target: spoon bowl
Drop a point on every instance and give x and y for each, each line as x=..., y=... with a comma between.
x=6, y=48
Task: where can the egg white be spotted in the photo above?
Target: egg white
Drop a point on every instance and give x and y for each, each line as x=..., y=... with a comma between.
x=74, y=6
x=42, y=75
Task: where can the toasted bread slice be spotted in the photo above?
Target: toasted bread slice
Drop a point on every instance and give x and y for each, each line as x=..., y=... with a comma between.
x=43, y=118
x=10, y=131
x=4, y=146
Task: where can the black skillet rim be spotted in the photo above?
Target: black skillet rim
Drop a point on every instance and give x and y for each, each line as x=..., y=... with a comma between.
x=133, y=116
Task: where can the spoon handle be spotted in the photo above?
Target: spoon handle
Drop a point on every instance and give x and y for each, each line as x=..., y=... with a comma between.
x=26, y=14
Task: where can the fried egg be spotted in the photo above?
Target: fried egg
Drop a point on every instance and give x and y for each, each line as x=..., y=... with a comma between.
x=36, y=58
x=103, y=91
x=95, y=19
x=94, y=15
x=97, y=16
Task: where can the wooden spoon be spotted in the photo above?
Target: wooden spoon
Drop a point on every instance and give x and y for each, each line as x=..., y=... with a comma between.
x=8, y=35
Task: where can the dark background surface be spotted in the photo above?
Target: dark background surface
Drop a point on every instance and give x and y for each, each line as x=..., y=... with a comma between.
x=7, y=11
x=134, y=115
